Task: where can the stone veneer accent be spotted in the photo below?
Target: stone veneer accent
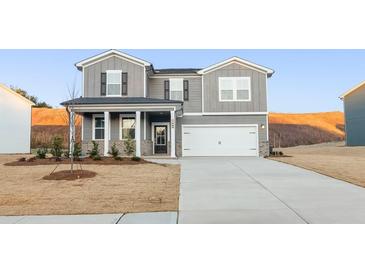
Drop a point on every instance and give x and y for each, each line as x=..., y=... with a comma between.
x=264, y=149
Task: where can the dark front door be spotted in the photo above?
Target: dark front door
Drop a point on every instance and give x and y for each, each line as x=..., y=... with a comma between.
x=160, y=139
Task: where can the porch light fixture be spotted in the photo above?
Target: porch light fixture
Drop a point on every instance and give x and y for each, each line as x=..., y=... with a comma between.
x=262, y=126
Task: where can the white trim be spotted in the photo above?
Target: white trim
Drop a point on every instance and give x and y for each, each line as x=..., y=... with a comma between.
x=4, y=87
x=221, y=125
x=137, y=135
x=203, y=94
x=82, y=128
x=352, y=90
x=182, y=88
x=121, y=116
x=106, y=132
x=116, y=108
x=144, y=125
x=83, y=83
x=173, y=134
x=145, y=83
x=153, y=124
x=267, y=108
x=93, y=125
x=239, y=61
x=234, y=90
x=224, y=113
x=107, y=84
x=111, y=52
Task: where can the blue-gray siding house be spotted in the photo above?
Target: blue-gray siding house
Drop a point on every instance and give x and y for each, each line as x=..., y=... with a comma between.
x=354, y=108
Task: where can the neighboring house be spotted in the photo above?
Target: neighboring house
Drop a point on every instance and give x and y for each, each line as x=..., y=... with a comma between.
x=354, y=107
x=16, y=121
x=220, y=110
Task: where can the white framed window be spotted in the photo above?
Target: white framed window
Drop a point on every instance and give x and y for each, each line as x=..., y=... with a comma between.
x=233, y=89
x=127, y=127
x=98, y=127
x=113, y=83
x=177, y=89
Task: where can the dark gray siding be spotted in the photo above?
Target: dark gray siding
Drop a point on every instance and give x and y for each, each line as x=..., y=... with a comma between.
x=258, y=90
x=194, y=104
x=354, y=105
x=135, y=76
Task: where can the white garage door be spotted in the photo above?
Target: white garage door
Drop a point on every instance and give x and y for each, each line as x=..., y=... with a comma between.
x=219, y=140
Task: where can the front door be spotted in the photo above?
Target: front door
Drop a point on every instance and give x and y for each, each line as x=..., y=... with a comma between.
x=160, y=133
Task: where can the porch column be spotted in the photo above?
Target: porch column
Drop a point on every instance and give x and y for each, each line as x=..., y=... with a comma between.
x=172, y=137
x=106, y=132
x=138, y=133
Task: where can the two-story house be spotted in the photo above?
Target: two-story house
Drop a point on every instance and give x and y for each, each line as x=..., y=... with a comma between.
x=220, y=110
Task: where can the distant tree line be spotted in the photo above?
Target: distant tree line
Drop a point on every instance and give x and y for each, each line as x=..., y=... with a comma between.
x=34, y=99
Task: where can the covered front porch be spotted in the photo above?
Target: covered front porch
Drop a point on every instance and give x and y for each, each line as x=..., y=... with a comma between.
x=151, y=126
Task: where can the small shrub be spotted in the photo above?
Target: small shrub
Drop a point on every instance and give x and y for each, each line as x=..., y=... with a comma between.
x=114, y=151
x=56, y=145
x=77, y=151
x=42, y=152
x=32, y=159
x=281, y=153
x=94, y=152
x=22, y=159
x=96, y=158
x=135, y=158
x=129, y=147
x=66, y=154
x=118, y=158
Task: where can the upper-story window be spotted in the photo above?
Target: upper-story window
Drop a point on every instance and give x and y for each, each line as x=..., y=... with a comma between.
x=113, y=83
x=234, y=89
x=176, y=89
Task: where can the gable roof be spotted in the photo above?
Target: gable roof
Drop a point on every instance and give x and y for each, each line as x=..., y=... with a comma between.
x=240, y=61
x=109, y=53
x=9, y=90
x=355, y=88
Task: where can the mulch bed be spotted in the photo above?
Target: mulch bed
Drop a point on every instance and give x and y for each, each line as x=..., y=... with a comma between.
x=67, y=175
x=84, y=161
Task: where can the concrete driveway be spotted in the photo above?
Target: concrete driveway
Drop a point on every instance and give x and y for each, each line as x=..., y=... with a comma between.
x=257, y=190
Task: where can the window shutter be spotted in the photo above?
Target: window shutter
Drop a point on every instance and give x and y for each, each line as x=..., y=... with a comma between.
x=124, y=83
x=167, y=89
x=103, y=84
x=186, y=90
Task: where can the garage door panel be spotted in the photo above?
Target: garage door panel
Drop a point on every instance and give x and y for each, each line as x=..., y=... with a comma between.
x=219, y=141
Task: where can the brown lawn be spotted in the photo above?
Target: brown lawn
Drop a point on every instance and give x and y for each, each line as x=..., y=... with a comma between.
x=331, y=159
x=115, y=189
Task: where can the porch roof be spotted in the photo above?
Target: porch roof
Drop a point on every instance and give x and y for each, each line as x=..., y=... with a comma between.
x=119, y=100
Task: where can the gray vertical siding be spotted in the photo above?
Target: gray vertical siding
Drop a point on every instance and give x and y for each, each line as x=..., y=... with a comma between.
x=114, y=126
x=194, y=104
x=135, y=76
x=354, y=105
x=258, y=90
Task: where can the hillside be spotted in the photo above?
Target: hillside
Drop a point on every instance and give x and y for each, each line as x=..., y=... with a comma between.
x=290, y=129
x=305, y=128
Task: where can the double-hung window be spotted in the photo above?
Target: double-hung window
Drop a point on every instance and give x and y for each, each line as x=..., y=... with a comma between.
x=127, y=127
x=177, y=89
x=113, y=83
x=234, y=89
x=98, y=127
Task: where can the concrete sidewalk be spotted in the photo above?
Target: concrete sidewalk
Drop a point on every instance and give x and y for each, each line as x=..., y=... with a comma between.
x=257, y=190
x=128, y=218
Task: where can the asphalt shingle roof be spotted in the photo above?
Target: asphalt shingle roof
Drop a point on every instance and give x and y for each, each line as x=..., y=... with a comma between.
x=117, y=100
x=176, y=70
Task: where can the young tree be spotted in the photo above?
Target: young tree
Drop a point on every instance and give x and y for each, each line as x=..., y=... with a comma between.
x=72, y=93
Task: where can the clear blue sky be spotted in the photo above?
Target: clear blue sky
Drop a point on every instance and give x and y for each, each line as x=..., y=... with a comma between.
x=304, y=80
